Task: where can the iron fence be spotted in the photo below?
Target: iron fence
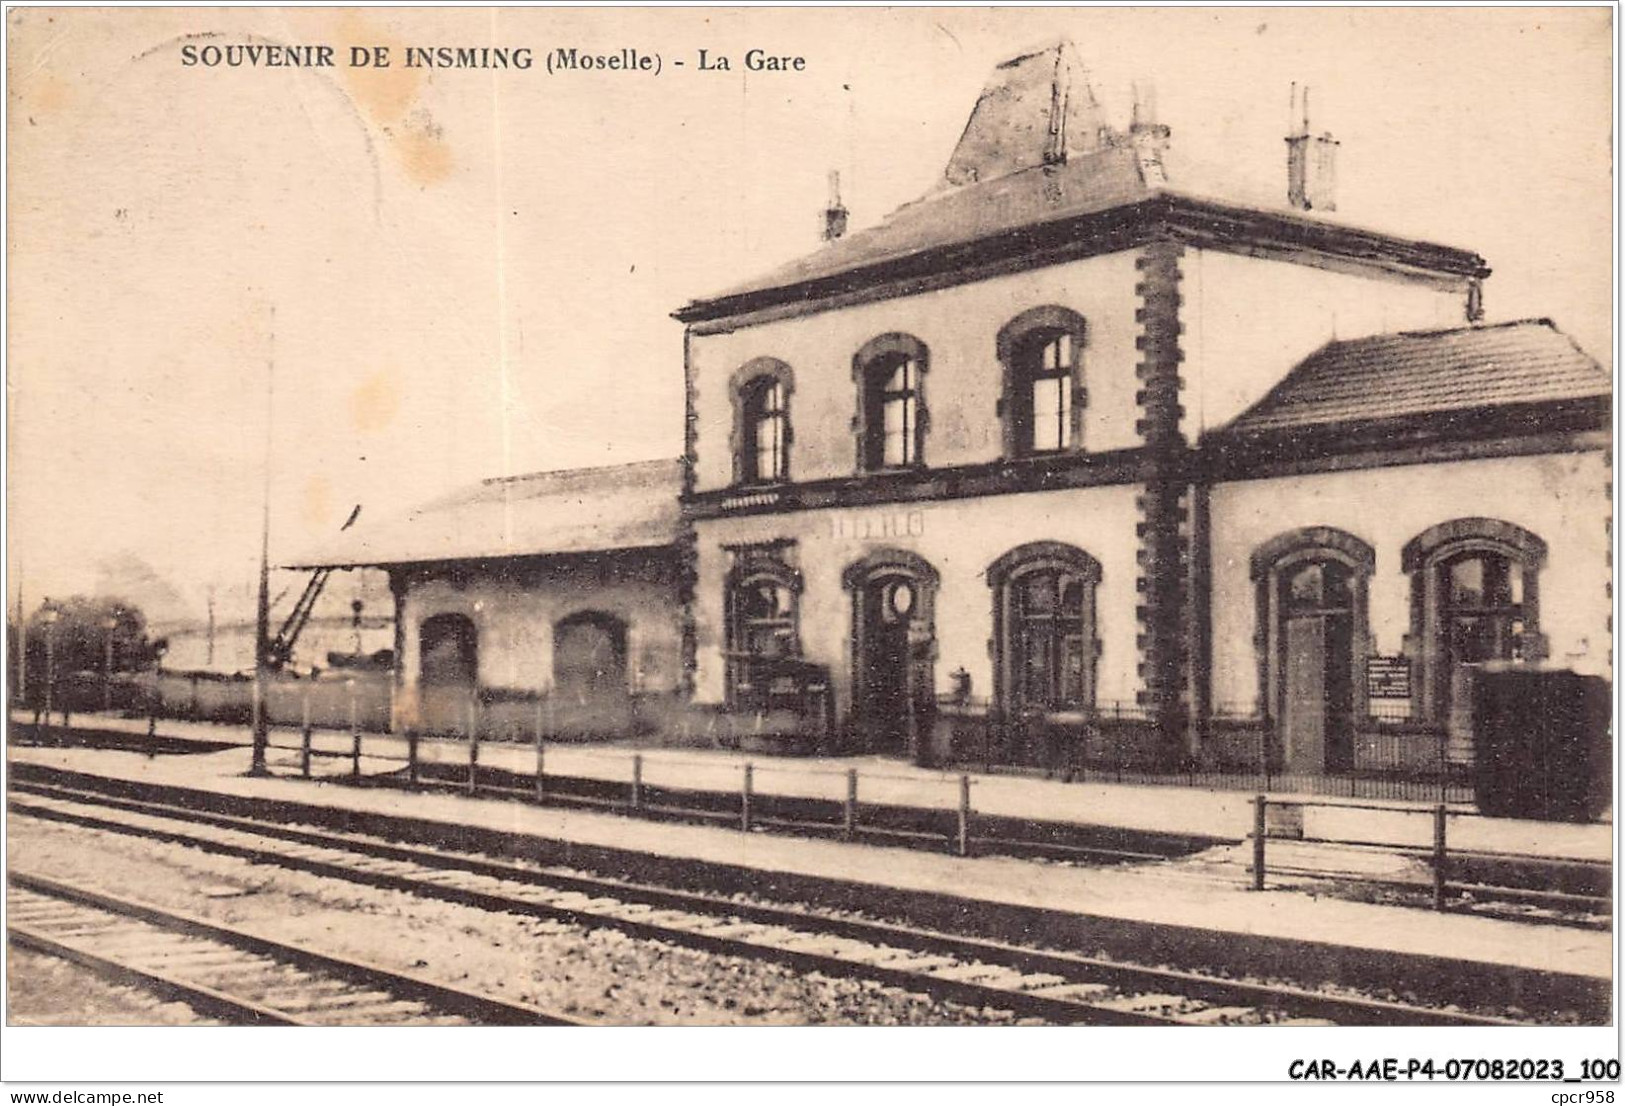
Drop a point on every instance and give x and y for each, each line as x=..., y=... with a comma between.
x=1121, y=742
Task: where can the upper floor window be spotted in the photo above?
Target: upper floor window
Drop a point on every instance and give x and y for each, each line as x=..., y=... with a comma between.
x=761, y=395
x=891, y=420
x=1041, y=350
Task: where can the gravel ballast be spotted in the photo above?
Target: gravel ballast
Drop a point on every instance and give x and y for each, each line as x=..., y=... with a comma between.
x=598, y=975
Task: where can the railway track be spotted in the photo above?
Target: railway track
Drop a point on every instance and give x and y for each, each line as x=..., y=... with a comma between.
x=1055, y=986
x=231, y=974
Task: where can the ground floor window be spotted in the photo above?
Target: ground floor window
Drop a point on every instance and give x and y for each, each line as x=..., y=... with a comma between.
x=1475, y=590
x=762, y=613
x=1044, y=619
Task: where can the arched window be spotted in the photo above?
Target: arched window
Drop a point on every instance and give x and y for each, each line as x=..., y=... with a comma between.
x=762, y=624
x=1312, y=638
x=448, y=651
x=1044, y=627
x=761, y=443
x=1475, y=598
x=892, y=417
x=589, y=657
x=1042, y=353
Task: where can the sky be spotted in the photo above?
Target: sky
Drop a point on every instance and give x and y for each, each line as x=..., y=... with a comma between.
x=378, y=284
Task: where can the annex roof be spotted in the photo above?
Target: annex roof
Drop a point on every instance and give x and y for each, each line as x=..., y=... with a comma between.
x=615, y=507
x=1388, y=376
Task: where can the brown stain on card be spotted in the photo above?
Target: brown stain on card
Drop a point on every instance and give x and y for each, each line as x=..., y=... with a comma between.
x=374, y=402
x=422, y=148
x=42, y=94
x=386, y=97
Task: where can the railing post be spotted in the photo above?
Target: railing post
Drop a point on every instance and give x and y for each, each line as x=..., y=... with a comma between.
x=1259, y=804
x=355, y=735
x=849, y=821
x=304, y=734
x=473, y=743
x=744, y=800
x=153, y=701
x=1444, y=765
x=637, y=781
x=412, y=755
x=541, y=767
x=964, y=815
x=1439, y=856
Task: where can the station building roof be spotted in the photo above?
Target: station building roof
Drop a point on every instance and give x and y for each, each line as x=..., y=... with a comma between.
x=570, y=511
x=1387, y=377
x=1038, y=177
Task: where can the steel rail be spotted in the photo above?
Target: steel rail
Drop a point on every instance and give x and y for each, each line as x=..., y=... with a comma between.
x=480, y=1008
x=205, y=1000
x=604, y=893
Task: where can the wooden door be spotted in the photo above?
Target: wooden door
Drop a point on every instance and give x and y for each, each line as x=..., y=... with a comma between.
x=889, y=608
x=1304, y=701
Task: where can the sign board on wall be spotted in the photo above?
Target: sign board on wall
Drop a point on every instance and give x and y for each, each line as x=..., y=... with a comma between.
x=1388, y=677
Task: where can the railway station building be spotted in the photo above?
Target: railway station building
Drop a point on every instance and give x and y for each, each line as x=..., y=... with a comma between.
x=1056, y=463
x=1060, y=458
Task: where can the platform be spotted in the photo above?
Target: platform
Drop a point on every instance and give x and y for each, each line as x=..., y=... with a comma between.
x=1185, y=897
x=1223, y=815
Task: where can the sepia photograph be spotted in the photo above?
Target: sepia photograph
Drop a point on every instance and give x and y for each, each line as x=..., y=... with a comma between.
x=1085, y=521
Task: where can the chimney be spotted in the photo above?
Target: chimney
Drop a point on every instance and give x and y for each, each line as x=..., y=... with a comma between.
x=1311, y=161
x=1149, y=138
x=835, y=214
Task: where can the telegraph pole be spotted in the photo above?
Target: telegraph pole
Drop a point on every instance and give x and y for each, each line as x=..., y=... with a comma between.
x=262, y=609
x=22, y=644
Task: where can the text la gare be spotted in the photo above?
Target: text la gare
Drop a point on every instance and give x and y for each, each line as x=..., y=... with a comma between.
x=756, y=61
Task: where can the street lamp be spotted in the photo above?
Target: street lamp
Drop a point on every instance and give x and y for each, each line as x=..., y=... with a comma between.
x=49, y=615
x=108, y=625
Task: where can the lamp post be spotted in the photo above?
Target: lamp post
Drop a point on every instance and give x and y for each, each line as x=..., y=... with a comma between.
x=262, y=648
x=49, y=615
x=262, y=609
x=108, y=625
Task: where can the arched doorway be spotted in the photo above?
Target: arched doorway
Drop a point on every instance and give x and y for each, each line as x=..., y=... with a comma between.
x=893, y=650
x=589, y=658
x=1312, y=587
x=448, y=671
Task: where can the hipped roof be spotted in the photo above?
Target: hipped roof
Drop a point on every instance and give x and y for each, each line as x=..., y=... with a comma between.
x=1038, y=174
x=1390, y=376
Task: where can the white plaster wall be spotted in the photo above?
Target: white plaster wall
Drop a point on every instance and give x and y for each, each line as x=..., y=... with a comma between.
x=960, y=538
x=515, y=625
x=1248, y=321
x=959, y=326
x=1562, y=498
